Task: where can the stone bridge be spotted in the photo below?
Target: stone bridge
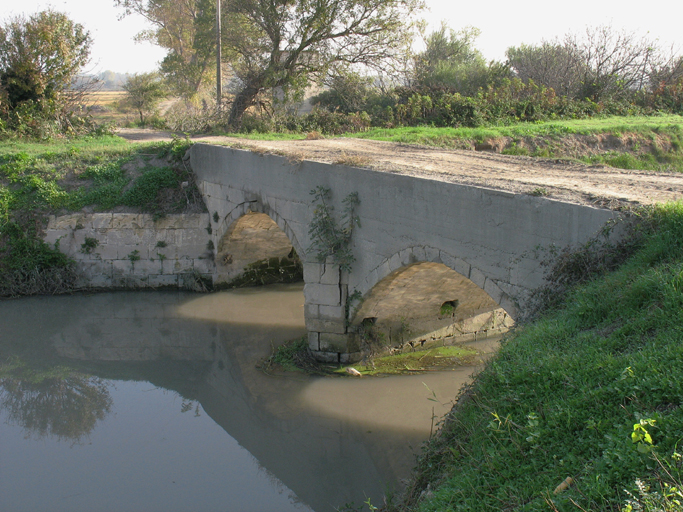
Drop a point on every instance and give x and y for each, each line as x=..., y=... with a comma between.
x=469, y=239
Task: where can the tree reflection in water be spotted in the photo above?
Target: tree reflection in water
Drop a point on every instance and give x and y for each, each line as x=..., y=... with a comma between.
x=55, y=402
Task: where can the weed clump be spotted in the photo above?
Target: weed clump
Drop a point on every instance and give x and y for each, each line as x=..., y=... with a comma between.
x=29, y=266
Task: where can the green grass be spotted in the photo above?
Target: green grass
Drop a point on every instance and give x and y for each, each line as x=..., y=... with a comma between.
x=411, y=362
x=285, y=354
x=652, y=132
x=91, y=147
x=445, y=136
x=573, y=394
x=68, y=176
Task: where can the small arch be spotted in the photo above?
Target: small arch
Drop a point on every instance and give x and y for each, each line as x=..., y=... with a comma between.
x=247, y=207
x=255, y=250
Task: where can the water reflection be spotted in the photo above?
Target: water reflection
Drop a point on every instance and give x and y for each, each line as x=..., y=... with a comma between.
x=320, y=442
x=57, y=402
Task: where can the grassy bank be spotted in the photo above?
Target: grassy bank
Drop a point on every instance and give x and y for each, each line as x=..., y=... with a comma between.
x=89, y=174
x=638, y=142
x=591, y=391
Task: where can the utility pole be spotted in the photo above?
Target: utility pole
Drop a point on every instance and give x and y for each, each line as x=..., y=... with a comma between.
x=219, y=81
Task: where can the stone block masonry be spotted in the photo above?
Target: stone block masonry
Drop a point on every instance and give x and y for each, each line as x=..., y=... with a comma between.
x=124, y=250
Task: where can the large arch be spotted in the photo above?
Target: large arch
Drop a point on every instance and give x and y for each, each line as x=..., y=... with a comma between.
x=418, y=254
x=415, y=298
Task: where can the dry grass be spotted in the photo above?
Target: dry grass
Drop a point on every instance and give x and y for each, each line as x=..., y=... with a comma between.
x=105, y=98
x=106, y=107
x=352, y=160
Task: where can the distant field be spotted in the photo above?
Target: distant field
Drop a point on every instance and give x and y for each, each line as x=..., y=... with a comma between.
x=105, y=107
x=105, y=97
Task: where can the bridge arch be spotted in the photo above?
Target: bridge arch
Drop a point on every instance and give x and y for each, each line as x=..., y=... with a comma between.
x=254, y=242
x=257, y=206
x=421, y=253
x=423, y=295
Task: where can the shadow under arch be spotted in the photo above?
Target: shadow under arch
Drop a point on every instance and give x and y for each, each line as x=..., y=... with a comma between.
x=256, y=245
x=421, y=295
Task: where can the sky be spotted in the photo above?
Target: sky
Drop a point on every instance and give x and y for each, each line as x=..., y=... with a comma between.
x=502, y=23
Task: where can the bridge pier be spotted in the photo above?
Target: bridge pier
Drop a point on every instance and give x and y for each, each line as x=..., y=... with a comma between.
x=325, y=310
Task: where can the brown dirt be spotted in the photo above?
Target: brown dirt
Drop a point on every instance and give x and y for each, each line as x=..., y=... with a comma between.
x=558, y=179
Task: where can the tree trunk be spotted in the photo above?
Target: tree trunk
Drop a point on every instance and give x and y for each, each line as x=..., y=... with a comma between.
x=243, y=100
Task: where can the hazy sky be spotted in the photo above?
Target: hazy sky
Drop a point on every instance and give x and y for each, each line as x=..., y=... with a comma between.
x=502, y=23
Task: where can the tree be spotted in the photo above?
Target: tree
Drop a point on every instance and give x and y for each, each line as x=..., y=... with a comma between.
x=144, y=92
x=602, y=63
x=186, y=29
x=550, y=64
x=40, y=56
x=615, y=63
x=451, y=61
x=289, y=43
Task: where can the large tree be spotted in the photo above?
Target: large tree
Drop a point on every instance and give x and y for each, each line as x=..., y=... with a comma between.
x=40, y=56
x=289, y=43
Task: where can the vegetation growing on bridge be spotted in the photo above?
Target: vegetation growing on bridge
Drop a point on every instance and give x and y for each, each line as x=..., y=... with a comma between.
x=592, y=390
x=329, y=236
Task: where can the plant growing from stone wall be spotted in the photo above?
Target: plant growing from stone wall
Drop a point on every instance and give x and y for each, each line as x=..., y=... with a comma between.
x=89, y=245
x=329, y=237
x=133, y=257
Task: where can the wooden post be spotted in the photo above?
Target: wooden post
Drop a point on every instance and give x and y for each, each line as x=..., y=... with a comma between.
x=219, y=81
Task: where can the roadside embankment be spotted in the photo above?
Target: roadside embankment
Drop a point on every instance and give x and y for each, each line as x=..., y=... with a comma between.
x=589, y=394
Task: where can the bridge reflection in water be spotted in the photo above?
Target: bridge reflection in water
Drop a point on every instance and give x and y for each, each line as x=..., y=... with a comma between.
x=330, y=441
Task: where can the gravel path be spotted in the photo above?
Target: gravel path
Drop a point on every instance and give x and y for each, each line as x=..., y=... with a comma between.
x=558, y=179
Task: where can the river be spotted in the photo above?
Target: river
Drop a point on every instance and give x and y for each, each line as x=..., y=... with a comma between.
x=151, y=401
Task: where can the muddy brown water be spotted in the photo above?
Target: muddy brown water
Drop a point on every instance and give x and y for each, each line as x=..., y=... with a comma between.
x=151, y=401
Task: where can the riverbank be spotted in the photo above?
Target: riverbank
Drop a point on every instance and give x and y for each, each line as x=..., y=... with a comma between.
x=588, y=394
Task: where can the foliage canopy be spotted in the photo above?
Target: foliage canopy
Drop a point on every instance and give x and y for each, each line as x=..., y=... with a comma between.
x=40, y=56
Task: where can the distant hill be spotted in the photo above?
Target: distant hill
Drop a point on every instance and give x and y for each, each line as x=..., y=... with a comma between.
x=107, y=80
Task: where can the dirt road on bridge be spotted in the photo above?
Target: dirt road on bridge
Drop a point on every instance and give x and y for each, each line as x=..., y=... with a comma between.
x=558, y=179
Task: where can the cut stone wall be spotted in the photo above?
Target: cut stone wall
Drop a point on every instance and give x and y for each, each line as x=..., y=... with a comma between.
x=124, y=250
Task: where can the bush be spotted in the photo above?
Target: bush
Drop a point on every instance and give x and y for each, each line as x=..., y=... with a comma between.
x=144, y=192
x=40, y=57
x=29, y=266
